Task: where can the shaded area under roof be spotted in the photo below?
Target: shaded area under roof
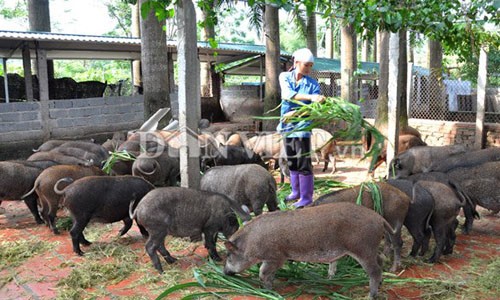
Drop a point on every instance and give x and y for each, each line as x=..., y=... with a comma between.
x=73, y=46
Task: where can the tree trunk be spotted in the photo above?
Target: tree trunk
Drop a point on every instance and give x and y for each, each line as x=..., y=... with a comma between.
x=383, y=82
x=39, y=20
x=136, y=64
x=365, y=50
x=403, y=78
x=312, y=42
x=383, y=98
x=348, y=63
x=207, y=33
x=154, y=67
x=329, y=36
x=272, y=89
x=436, y=88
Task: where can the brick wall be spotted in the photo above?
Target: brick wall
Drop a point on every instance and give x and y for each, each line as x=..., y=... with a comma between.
x=440, y=133
x=21, y=124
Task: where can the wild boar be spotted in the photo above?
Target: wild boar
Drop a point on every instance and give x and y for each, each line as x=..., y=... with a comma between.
x=481, y=183
x=419, y=213
x=248, y=184
x=16, y=179
x=268, y=146
x=313, y=234
x=231, y=155
x=395, y=207
x=59, y=158
x=324, y=146
x=105, y=199
x=469, y=207
x=158, y=168
x=44, y=187
x=468, y=159
x=444, y=218
x=184, y=212
x=420, y=159
x=234, y=140
x=82, y=154
x=51, y=144
x=405, y=142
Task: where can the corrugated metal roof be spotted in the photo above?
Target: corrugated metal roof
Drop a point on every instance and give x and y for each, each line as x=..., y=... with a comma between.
x=50, y=36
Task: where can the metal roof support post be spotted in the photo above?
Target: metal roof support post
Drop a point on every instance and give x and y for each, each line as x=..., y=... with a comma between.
x=5, y=79
x=189, y=90
x=28, y=79
x=481, y=97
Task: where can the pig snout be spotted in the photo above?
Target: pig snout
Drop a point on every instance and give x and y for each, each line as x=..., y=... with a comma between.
x=228, y=271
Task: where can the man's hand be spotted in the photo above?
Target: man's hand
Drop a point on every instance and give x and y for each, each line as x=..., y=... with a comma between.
x=288, y=116
x=318, y=98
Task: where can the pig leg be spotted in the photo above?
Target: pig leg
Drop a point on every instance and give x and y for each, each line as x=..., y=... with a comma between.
x=210, y=241
x=450, y=239
x=76, y=233
x=126, y=227
x=440, y=237
x=425, y=242
x=153, y=244
x=257, y=210
x=397, y=244
x=143, y=231
x=166, y=255
x=271, y=204
x=469, y=211
x=267, y=271
x=371, y=264
x=32, y=205
x=52, y=213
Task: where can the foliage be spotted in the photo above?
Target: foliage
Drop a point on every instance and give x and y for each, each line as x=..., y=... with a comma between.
x=122, y=13
x=114, y=157
x=297, y=278
x=110, y=71
x=18, y=11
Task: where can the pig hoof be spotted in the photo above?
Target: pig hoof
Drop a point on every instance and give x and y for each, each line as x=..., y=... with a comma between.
x=431, y=260
x=170, y=259
x=39, y=221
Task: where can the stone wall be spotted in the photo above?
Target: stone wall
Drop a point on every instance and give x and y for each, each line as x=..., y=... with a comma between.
x=22, y=125
x=440, y=133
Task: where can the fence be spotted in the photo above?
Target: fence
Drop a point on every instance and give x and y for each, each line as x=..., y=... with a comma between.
x=449, y=100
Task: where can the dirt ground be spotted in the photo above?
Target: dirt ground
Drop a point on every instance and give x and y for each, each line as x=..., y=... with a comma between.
x=48, y=268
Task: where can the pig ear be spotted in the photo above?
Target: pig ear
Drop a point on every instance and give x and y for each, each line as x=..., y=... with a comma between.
x=230, y=246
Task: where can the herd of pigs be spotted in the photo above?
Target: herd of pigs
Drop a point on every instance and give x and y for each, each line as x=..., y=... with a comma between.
x=429, y=187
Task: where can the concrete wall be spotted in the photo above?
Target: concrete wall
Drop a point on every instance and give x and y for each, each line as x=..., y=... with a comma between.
x=21, y=123
x=240, y=103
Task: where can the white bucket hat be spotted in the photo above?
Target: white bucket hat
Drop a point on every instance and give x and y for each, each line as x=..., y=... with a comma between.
x=304, y=55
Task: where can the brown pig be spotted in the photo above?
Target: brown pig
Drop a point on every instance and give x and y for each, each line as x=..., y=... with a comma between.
x=395, y=207
x=313, y=234
x=44, y=188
